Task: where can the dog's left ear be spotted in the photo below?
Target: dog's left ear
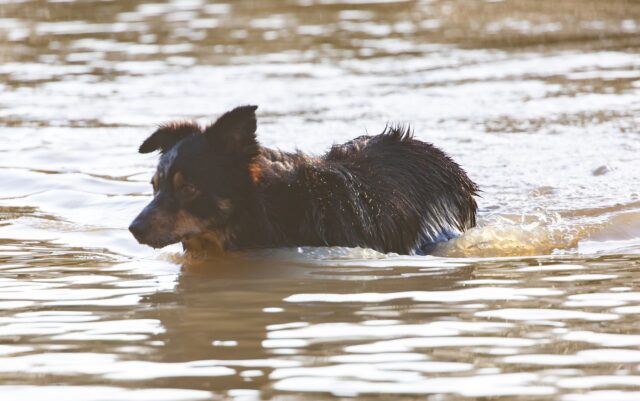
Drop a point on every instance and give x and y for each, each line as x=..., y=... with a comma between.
x=235, y=132
x=167, y=135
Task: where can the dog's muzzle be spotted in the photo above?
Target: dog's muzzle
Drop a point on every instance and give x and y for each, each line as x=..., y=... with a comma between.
x=139, y=229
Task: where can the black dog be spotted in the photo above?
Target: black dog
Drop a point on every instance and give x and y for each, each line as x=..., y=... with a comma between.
x=219, y=188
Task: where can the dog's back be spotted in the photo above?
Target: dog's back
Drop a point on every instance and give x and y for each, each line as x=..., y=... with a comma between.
x=388, y=192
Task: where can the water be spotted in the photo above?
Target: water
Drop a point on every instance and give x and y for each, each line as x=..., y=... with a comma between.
x=537, y=100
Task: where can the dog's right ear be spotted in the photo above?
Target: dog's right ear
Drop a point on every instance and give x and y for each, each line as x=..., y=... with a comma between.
x=167, y=135
x=235, y=132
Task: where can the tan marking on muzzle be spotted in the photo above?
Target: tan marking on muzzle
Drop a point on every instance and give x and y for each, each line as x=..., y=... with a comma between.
x=186, y=224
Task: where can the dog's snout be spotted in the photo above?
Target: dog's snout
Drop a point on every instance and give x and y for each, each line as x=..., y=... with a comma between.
x=139, y=228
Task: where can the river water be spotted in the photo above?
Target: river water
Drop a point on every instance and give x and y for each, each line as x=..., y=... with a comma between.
x=538, y=100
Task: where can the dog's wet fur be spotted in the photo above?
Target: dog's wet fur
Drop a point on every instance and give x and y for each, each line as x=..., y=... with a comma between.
x=217, y=188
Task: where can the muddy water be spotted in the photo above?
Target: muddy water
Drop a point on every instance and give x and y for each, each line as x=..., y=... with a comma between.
x=539, y=101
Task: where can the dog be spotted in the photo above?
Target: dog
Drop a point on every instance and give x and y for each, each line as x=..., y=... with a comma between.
x=216, y=187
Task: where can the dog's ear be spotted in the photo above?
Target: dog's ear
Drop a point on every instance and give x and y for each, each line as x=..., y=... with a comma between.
x=167, y=135
x=235, y=132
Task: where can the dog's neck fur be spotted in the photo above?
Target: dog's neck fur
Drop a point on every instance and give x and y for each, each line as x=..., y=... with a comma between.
x=272, y=212
x=278, y=213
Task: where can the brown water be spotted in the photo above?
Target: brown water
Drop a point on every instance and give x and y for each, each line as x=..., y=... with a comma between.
x=538, y=100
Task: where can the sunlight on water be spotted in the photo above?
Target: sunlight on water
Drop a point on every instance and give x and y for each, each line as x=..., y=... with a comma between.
x=537, y=101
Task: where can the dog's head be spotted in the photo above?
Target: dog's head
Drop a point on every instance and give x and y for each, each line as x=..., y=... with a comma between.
x=202, y=179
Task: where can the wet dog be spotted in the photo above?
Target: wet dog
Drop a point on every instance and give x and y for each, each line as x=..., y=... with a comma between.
x=216, y=187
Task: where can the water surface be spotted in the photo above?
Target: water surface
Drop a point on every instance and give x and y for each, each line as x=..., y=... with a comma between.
x=539, y=101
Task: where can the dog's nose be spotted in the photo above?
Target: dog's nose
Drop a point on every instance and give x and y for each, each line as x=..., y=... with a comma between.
x=138, y=228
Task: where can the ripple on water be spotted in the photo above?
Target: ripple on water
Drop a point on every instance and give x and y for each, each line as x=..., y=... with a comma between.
x=98, y=393
x=603, y=396
x=545, y=314
x=484, y=386
x=604, y=339
x=471, y=294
